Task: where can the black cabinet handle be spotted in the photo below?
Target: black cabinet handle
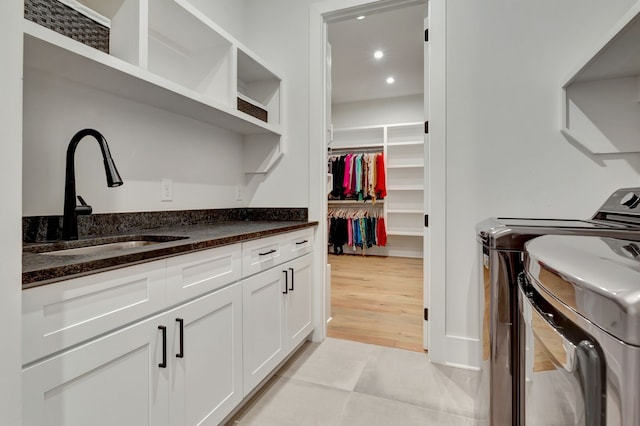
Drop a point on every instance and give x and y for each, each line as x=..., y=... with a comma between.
x=292, y=272
x=286, y=282
x=268, y=252
x=180, y=321
x=163, y=364
x=302, y=242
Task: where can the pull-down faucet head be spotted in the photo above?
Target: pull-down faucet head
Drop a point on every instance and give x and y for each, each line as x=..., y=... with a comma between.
x=71, y=210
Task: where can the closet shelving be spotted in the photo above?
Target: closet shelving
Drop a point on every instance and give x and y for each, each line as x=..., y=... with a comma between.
x=168, y=54
x=403, y=207
x=405, y=179
x=601, y=99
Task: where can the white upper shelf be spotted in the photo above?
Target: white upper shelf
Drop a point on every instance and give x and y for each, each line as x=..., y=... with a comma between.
x=601, y=100
x=47, y=50
x=618, y=56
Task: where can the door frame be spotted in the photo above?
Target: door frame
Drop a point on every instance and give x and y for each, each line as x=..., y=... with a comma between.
x=434, y=265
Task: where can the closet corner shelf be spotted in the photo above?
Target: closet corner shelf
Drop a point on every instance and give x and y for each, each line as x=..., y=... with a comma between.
x=407, y=143
x=404, y=233
x=405, y=166
x=405, y=211
x=52, y=52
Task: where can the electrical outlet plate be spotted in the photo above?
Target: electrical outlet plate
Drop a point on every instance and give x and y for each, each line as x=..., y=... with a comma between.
x=166, y=190
x=238, y=192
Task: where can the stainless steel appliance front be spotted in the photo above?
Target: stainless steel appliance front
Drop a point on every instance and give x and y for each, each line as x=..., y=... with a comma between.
x=580, y=332
x=501, y=243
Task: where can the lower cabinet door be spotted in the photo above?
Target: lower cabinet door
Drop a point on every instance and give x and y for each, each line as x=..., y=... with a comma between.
x=297, y=301
x=206, y=358
x=263, y=325
x=113, y=380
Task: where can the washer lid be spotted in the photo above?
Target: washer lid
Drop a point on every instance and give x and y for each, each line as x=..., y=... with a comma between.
x=596, y=277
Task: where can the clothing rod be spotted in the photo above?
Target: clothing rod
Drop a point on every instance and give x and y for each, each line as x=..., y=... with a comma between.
x=334, y=151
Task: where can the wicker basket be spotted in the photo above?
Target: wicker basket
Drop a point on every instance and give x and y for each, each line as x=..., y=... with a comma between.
x=252, y=110
x=67, y=21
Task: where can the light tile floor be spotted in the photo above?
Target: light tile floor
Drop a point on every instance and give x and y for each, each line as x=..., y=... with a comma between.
x=339, y=383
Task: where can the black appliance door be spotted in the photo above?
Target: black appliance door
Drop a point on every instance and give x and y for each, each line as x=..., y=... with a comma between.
x=563, y=372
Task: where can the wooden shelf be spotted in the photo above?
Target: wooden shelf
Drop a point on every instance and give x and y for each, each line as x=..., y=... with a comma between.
x=405, y=211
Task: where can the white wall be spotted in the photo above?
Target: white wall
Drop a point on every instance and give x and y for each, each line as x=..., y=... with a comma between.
x=147, y=144
x=404, y=109
x=229, y=14
x=506, y=62
x=278, y=31
x=505, y=155
x=10, y=227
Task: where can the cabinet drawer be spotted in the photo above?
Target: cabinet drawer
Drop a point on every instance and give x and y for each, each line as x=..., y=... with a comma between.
x=195, y=274
x=298, y=243
x=262, y=254
x=60, y=315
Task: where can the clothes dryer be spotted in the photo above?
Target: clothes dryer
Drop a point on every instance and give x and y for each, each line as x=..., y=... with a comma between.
x=501, y=242
x=579, y=304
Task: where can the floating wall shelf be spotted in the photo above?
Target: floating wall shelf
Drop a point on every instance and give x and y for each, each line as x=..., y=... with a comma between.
x=601, y=100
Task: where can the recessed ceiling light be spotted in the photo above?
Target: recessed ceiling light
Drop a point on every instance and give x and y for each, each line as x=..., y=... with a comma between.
x=361, y=17
x=378, y=54
x=390, y=80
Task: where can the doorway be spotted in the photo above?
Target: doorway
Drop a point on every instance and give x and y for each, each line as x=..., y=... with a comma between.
x=377, y=289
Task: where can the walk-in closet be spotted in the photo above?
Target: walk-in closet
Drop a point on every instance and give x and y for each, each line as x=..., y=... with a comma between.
x=376, y=178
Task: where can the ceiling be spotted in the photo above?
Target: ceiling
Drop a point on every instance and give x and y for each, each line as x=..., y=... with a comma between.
x=357, y=76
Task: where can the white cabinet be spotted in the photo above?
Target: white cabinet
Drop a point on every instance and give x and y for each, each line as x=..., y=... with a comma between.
x=113, y=380
x=178, y=368
x=205, y=358
x=194, y=274
x=262, y=254
x=175, y=342
x=263, y=325
x=276, y=317
x=297, y=302
x=57, y=316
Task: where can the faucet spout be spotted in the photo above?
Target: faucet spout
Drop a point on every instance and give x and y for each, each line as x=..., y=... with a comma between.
x=71, y=210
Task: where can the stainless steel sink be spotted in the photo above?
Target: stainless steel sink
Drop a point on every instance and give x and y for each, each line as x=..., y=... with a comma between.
x=98, y=246
x=102, y=248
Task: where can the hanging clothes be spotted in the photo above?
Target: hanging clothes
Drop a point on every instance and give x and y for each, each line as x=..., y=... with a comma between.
x=358, y=176
x=358, y=228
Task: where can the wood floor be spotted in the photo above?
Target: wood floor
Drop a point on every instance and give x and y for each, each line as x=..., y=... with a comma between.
x=377, y=300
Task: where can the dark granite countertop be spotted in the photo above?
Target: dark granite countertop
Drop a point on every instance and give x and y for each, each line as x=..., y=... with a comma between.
x=41, y=268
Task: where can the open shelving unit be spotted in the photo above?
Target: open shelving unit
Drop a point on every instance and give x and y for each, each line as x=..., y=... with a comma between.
x=167, y=54
x=403, y=207
x=601, y=99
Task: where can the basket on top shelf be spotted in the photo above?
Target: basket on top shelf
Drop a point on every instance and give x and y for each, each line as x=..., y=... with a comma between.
x=244, y=105
x=69, y=22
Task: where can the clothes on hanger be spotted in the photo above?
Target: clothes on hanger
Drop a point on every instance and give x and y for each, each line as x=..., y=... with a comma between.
x=357, y=228
x=359, y=176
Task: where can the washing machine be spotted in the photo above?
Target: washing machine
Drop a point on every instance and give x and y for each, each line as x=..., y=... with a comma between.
x=501, y=242
x=579, y=308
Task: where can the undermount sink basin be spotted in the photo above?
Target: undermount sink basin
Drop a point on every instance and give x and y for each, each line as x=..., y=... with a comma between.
x=99, y=245
x=102, y=248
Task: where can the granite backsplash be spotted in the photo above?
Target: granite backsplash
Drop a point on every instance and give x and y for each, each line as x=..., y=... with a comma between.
x=49, y=228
